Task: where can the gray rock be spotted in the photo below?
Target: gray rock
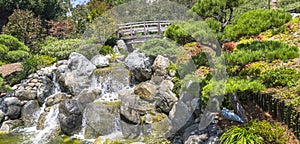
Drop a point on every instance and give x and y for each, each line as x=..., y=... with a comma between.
x=140, y=65
x=25, y=94
x=180, y=116
x=101, y=119
x=13, y=107
x=80, y=65
x=77, y=75
x=100, y=61
x=55, y=99
x=29, y=112
x=122, y=45
x=9, y=125
x=145, y=91
x=165, y=101
x=45, y=90
x=70, y=117
x=2, y=114
x=130, y=131
x=129, y=114
x=160, y=66
x=87, y=96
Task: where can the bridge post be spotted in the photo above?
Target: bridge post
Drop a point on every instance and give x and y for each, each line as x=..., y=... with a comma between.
x=158, y=27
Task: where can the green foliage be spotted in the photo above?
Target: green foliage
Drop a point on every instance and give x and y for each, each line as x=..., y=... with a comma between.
x=285, y=77
x=256, y=21
x=271, y=133
x=254, y=69
x=17, y=55
x=61, y=49
x=236, y=135
x=36, y=62
x=201, y=59
x=11, y=49
x=96, y=8
x=220, y=10
x=80, y=19
x=177, y=86
x=178, y=34
x=233, y=85
x=3, y=87
x=105, y=50
x=28, y=29
x=12, y=43
x=259, y=51
x=155, y=47
x=289, y=4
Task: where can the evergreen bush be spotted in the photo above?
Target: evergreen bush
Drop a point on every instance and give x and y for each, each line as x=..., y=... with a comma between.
x=256, y=21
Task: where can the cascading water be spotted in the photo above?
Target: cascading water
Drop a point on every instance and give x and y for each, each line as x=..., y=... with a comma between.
x=51, y=123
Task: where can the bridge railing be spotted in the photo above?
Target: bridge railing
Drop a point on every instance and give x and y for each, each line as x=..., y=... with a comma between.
x=141, y=30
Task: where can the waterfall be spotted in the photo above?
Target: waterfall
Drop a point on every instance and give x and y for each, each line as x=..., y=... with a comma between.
x=51, y=123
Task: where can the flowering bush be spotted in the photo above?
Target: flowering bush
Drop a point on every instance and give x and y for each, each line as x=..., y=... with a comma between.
x=228, y=47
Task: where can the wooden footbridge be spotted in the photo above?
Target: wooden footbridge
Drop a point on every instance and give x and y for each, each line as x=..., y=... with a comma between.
x=138, y=32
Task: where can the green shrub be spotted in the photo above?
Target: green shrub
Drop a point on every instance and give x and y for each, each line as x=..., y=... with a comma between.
x=285, y=77
x=30, y=65
x=233, y=85
x=12, y=50
x=105, y=50
x=162, y=47
x=178, y=34
x=271, y=133
x=26, y=27
x=3, y=87
x=261, y=51
x=256, y=21
x=254, y=69
x=3, y=49
x=12, y=43
x=236, y=135
x=61, y=49
x=201, y=59
x=17, y=55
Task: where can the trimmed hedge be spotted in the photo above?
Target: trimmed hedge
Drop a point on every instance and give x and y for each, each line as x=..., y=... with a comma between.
x=256, y=21
x=12, y=50
x=61, y=49
x=261, y=51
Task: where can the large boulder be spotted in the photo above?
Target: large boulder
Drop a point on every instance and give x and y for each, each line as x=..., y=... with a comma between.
x=70, y=117
x=165, y=98
x=140, y=65
x=29, y=112
x=180, y=116
x=87, y=96
x=160, y=66
x=77, y=75
x=13, y=107
x=145, y=91
x=100, y=61
x=101, y=119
